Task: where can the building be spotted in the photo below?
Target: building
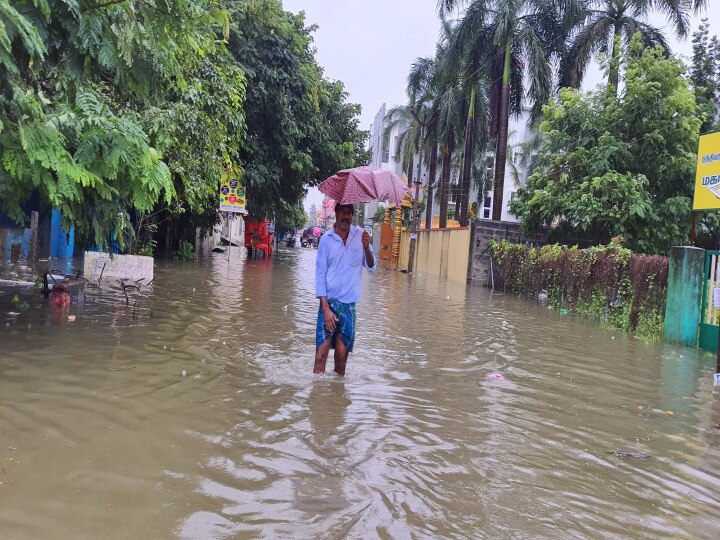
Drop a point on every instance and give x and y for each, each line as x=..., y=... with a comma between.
x=519, y=132
x=383, y=154
x=326, y=214
x=48, y=238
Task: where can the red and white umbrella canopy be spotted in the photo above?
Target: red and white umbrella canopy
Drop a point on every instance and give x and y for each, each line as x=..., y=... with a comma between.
x=364, y=184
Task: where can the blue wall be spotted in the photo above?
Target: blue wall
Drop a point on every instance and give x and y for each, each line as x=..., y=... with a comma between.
x=8, y=237
x=61, y=243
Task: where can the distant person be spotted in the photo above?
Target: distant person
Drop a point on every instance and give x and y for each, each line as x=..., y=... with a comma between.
x=342, y=254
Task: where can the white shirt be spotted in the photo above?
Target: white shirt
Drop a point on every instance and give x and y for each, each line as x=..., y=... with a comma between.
x=338, y=269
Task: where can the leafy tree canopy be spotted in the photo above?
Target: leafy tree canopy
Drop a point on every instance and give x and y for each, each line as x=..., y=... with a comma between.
x=612, y=165
x=109, y=109
x=300, y=129
x=704, y=71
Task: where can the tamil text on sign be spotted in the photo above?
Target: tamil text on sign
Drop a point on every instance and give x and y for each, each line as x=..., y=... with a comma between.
x=707, y=178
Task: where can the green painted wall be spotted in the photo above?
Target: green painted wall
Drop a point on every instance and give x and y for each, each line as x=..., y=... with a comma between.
x=684, y=295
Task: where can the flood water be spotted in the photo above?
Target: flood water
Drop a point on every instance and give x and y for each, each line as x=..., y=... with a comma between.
x=192, y=412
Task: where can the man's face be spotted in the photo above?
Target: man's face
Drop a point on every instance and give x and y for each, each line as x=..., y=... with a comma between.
x=343, y=217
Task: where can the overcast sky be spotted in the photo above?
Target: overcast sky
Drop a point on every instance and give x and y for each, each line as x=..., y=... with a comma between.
x=369, y=45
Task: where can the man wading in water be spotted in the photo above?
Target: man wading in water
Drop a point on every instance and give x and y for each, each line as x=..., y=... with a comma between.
x=342, y=254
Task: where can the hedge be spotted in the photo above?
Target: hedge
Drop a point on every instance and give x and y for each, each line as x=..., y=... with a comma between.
x=609, y=283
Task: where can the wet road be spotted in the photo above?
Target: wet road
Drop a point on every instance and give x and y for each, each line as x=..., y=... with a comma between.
x=193, y=413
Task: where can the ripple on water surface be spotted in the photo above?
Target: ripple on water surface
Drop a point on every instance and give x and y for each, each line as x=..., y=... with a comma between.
x=193, y=413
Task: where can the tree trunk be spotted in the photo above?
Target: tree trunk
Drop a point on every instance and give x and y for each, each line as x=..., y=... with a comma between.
x=410, y=173
x=445, y=186
x=431, y=183
x=614, y=71
x=502, y=138
x=467, y=163
x=501, y=154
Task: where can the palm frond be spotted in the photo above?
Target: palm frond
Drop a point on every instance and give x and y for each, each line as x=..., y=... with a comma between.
x=652, y=37
x=585, y=44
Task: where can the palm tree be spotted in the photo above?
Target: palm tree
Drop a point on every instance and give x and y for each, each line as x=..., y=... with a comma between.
x=607, y=27
x=511, y=40
x=408, y=140
x=458, y=75
x=416, y=115
x=440, y=101
x=447, y=132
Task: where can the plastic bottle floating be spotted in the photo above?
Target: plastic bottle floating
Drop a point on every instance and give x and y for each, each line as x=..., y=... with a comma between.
x=494, y=377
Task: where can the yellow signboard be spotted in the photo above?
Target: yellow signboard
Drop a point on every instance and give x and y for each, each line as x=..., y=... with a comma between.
x=707, y=179
x=232, y=194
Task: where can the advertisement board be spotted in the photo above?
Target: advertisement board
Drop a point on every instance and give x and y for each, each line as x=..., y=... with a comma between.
x=707, y=178
x=232, y=194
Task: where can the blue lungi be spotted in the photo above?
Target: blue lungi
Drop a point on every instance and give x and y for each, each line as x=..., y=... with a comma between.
x=344, y=326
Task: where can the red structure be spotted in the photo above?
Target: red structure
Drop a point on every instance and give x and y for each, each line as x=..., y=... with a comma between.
x=257, y=237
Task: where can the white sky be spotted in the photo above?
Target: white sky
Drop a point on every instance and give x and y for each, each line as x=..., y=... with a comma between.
x=370, y=45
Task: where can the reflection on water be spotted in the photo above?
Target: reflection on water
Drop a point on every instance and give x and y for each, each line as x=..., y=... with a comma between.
x=199, y=417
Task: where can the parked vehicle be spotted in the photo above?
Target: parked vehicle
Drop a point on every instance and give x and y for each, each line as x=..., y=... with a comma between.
x=310, y=237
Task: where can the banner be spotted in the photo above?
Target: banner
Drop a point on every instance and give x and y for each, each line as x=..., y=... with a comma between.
x=232, y=194
x=707, y=178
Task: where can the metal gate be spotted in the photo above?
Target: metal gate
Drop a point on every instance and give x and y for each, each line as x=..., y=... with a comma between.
x=710, y=314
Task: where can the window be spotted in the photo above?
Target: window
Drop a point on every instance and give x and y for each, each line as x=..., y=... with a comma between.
x=487, y=206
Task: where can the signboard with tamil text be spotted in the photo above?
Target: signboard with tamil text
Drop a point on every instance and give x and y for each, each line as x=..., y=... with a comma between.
x=232, y=194
x=707, y=178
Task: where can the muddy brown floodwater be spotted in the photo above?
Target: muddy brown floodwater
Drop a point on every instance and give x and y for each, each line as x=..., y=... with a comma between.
x=193, y=413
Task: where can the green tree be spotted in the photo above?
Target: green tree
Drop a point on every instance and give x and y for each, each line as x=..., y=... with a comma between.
x=379, y=215
x=440, y=101
x=610, y=165
x=704, y=71
x=300, y=129
x=79, y=81
x=408, y=140
x=608, y=26
x=509, y=39
x=200, y=132
x=290, y=219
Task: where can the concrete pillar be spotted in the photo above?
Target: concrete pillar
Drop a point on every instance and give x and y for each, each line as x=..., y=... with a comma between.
x=684, y=295
x=396, y=237
x=33, y=249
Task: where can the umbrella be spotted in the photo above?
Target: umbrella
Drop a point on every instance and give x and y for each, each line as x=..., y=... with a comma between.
x=314, y=230
x=363, y=184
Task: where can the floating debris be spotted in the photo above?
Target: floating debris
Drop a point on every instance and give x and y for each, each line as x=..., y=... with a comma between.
x=624, y=453
x=20, y=304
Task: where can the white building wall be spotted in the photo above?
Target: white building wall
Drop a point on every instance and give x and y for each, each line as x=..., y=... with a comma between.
x=383, y=155
x=376, y=137
x=518, y=133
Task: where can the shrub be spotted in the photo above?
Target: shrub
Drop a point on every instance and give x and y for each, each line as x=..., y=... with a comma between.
x=609, y=283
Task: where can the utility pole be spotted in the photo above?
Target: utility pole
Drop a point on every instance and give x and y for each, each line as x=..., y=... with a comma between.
x=414, y=225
